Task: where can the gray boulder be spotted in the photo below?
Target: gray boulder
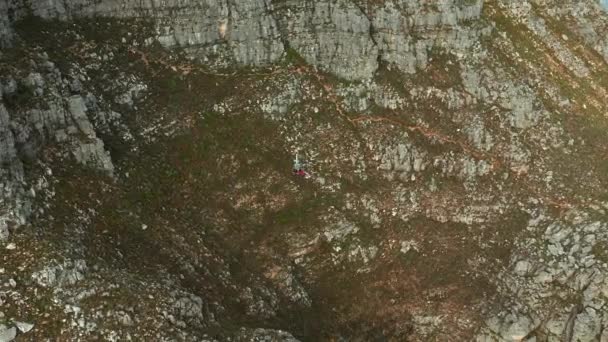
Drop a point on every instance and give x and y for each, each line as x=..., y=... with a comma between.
x=7, y=334
x=68, y=273
x=24, y=326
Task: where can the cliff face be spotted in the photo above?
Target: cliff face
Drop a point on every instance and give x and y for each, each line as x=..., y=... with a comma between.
x=345, y=38
x=455, y=153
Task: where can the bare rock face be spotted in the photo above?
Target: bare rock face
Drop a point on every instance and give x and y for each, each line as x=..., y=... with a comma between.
x=6, y=29
x=68, y=273
x=11, y=176
x=7, y=334
x=340, y=37
x=282, y=170
x=561, y=256
x=406, y=31
x=333, y=35
x=259, y=335
x=222, y=32
x=25, y=128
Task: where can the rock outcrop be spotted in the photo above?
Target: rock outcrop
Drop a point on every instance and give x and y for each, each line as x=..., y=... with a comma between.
x=341, y=37
x=41, y=110
x=452, y=155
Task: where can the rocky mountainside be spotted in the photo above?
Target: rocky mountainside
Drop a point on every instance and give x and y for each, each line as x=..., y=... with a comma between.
x=456, y=155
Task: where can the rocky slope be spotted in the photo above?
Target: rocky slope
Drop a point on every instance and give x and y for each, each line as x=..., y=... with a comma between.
x=456, y=151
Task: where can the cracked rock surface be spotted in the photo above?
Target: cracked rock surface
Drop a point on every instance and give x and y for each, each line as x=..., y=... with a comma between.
x=454, y=156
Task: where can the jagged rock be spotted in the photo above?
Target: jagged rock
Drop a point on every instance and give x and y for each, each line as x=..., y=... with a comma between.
x=563, y=264
x=7, y=334
x=9, y=85
x=240, y=32
x=289, y=285
x=481, y=138
x=189, y=306
x=333, y=35
x=125, y=319
x=263, y=335
x=402, y=160
x=570, y=60
x=522, y=267
x=24, y=133
x=510, y=328
x=360, y=96
x=34, y=80
x=444, y=161
x=400, y=25
x=76, y=86
x=94, y=154
x=6, y=28
x=68, y=273
x=259, y=301
x=91, y=153
x=23, y=326
x=11, y=173
x=407, y=246
x=77, y=109
x=278, y=104
x=339, y=230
